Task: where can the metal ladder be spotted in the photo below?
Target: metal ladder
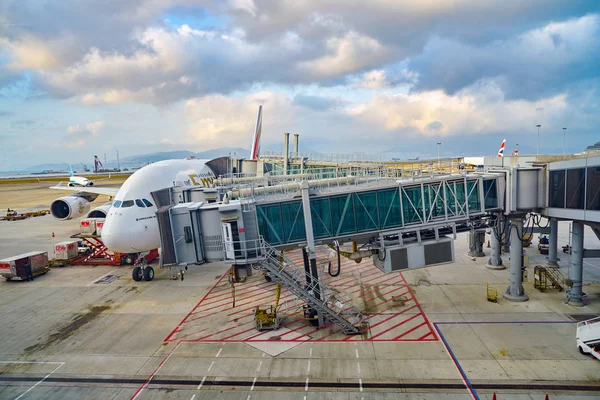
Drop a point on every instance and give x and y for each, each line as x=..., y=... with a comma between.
x=331, y=306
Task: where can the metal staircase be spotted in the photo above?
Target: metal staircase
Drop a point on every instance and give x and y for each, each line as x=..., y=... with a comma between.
x=329, y=304
x=545, y=277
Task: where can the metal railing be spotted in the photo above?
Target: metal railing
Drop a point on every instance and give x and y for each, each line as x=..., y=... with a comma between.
x=317, y=295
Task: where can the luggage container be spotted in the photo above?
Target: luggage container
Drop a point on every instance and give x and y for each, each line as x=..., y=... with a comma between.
x=65, y=250
x=88, y=226
x=99, y=225
x=14, y=268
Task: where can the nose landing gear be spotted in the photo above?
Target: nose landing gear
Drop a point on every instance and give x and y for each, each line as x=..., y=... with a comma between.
x=142, y=270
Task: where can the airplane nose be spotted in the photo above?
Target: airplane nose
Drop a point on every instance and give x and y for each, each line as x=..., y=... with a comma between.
x=116, y=236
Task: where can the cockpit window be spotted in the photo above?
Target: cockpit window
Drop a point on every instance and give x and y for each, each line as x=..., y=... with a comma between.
x=147, y=203
x=116, y=204
x=127, y=203
x=139, y=203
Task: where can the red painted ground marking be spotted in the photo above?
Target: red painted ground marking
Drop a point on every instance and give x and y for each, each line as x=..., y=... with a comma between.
x=427, y=334
x=410, y=330
x=420, y=309
x=190, y=313
x=395, y=326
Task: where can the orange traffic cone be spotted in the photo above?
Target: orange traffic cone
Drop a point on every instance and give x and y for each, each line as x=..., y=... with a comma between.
x=488, y=244
x=546, y=398
x=52, y=234
x=494, y=396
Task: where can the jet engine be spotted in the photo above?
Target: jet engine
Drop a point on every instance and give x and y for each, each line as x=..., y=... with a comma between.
x=100, y=212
x=69, y=207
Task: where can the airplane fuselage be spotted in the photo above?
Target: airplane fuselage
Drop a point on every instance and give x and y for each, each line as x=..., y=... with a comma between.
x=130, y=225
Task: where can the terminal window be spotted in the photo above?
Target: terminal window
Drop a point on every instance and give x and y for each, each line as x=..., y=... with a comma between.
x=576, y=188
x=557, y=189
x=593, y=188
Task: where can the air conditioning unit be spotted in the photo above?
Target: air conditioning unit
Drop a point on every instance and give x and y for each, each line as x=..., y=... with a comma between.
x=413, y=256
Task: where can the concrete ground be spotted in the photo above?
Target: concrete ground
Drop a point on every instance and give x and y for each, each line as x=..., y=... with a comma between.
x=66, y=337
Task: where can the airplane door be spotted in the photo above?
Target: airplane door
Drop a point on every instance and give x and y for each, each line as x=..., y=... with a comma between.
x=228, y=240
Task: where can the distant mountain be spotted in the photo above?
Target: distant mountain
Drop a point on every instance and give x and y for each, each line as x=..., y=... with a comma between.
x=49, y=167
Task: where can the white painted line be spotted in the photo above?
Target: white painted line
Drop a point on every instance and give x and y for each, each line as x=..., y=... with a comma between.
x=259, y=365
x=310, y=352
x=356, y=353
x=211, y=365
x=253, y=383
x=263, y=354
x=201, y=383
x=308, y=368
x=221, y=349
x=358, y=367
x=46, y=377
x=360, y=384
x=108, y=273
x=306, y=386
x=193, y=397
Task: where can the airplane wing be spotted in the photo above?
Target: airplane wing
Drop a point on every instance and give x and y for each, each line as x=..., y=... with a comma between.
x=108, y=191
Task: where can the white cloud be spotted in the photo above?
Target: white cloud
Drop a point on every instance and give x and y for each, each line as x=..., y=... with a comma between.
x=348, y=54
x=478, y=109
x=92, y=128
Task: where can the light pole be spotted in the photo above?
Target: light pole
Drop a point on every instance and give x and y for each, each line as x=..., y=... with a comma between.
x=564, y=140
x=438, y=144
x=538, y=143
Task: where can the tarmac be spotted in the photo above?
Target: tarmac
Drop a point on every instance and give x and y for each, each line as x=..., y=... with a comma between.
x=92, y=332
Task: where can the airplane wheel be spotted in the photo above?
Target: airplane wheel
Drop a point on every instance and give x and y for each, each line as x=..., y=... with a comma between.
x=129, y=259
x=148, y=273
x=268, y=278
x=137, y=274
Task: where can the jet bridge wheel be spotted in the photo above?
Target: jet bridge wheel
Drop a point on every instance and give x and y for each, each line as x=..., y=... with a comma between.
x=138, y=274
x=148, y=273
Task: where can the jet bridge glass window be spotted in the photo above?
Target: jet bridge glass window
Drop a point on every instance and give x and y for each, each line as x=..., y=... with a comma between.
x=321, y=217
x=490, y=194
x=147, y=203
x=557, y=189
x=342, y=214
x=270, y=223
x=593, y=188
x=293, y=221
x=117, y=203
x=139, y=203
x=435, y=200
x=389, y=208
x=412, y=206
x=127, y=203
x=473, y=193
x=576, y=188
x=365, y=206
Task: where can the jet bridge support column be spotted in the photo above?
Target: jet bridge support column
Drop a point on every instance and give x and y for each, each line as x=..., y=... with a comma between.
x=515, y=291
x=553, y=243
x=310, y=242
x=575, y=294
x=495, y=261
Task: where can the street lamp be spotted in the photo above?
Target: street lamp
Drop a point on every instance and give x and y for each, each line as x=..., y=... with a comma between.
x=438, y=144
x=538, y=143
x=564, y=140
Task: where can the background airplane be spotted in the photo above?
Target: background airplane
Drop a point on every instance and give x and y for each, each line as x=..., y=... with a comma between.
x=78, y=180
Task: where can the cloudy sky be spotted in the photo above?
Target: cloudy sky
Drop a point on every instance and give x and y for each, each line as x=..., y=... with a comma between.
x=85, y=77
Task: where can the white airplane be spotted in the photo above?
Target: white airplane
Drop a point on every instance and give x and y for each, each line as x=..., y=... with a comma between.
x=78, y=180
x=130, y=225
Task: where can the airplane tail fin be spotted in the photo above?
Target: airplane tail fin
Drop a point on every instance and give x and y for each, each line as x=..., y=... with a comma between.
x=71, y=170
x=256, y=140
x=501, y=150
